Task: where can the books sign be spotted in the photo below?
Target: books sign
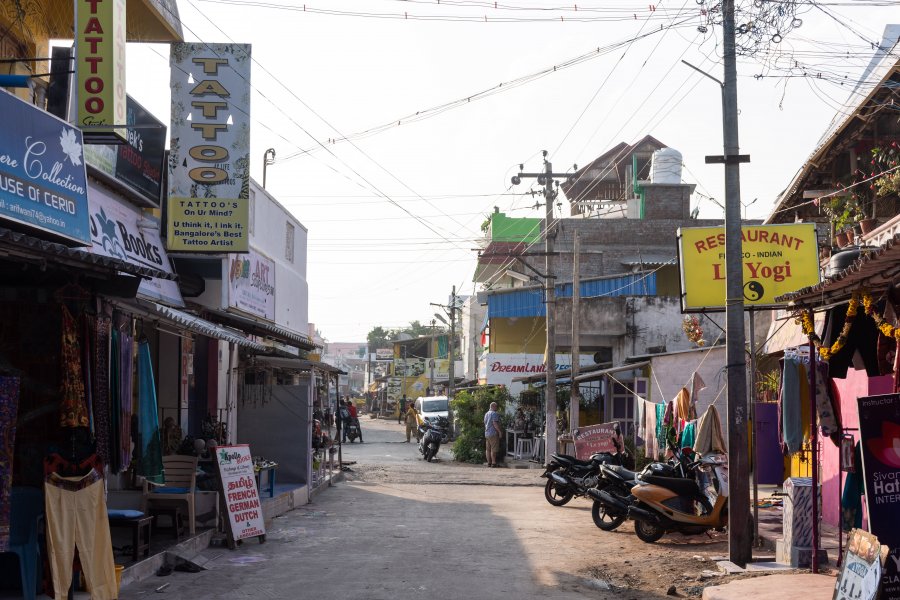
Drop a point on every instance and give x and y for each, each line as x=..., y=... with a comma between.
x=242, y=502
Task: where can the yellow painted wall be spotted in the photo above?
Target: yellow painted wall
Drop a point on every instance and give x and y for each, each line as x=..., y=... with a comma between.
x=526, y=335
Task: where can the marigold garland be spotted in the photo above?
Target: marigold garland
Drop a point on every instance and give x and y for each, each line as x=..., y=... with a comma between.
x=884, y=327
x=827, y=352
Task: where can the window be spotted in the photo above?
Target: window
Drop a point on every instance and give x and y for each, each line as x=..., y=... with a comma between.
x=289, y=242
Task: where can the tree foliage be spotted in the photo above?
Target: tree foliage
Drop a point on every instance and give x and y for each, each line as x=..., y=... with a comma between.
x=469, y=409
x=379, y=337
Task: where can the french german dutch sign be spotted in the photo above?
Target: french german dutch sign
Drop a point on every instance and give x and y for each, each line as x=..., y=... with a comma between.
x=209, y=160
x=777, y=259
x=242, y=502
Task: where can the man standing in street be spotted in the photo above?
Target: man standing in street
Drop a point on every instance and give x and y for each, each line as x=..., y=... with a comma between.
x=412, y=421
x=492, y=433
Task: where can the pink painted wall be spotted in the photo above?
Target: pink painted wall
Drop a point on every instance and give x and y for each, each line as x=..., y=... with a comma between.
x=856, y=384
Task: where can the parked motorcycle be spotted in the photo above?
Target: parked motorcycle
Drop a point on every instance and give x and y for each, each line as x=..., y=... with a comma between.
x=569, y=477
x=690, y=505
x=612, y=496
x=431, y=434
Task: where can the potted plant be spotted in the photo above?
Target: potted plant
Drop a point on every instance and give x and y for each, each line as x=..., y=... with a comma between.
x=843, y=211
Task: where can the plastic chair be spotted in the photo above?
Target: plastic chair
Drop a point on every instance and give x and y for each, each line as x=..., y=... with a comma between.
x=26, y=511
x=181, y=482
x=524, y=447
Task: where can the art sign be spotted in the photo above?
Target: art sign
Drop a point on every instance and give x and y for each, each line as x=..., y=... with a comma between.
x=879, y=432
x=251, y=284
x=209, y=161
x=591, y=439
x=137, y=163
x=100, y=66
x=239, y=492
x=119, y=230
x=776, y=259
x=43, y=183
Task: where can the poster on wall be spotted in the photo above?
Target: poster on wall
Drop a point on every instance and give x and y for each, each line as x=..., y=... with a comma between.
x=251, y=284
x=879, y=432
x=243, y=505
x=43, y=183
x=777, y=259
x=209, y=160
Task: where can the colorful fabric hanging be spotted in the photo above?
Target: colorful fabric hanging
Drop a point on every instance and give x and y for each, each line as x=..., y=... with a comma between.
x=660, y=428
x=9, y=406
x=100, y=382
x=651, y=445
x=126, y=394
x=688, y=435
x=796, y=414
x=851, y=497
x=824, y=407
x=150, y=465
x=115, y=407
x=709, y=433
x=73, y=407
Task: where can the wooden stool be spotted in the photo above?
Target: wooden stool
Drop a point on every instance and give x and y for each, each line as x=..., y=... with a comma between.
x=173, y=511
x=140, y=531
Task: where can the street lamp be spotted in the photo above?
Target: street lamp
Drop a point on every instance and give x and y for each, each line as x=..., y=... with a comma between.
x=266, y=162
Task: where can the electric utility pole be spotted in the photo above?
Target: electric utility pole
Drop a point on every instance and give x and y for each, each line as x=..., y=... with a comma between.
x=451, y=351
x=550, y=194
x=575, y=394
x=740, y=534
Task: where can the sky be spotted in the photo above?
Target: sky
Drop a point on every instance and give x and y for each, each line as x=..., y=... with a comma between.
x=394, y=215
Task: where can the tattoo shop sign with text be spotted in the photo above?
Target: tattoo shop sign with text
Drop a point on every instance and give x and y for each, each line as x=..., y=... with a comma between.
x=209, y=160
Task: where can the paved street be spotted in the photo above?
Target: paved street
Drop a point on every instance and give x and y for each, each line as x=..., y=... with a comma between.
x=402, y=528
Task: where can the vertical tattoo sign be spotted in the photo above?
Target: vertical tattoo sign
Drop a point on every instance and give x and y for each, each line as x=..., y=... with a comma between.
x=209, y=161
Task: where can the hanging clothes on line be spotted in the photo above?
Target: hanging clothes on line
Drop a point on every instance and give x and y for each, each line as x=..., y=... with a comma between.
x=639, y=412
x=660, y=410
x=682, y=409
x=796, y=413
x=688, y=435
x=150, y=464
x=709, y=433
x=651, y=445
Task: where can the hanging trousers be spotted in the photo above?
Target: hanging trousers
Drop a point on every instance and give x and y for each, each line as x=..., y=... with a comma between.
x=76, y=516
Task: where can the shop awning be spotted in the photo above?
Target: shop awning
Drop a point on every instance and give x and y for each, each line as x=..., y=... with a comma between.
x=299, y=364
x=263, y=328
x=876, y=270
x=203, y=327
x=594, y=375
x=33, y=249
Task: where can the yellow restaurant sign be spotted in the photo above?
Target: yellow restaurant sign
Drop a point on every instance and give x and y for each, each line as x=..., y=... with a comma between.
x=777, y=259
x=100, y=43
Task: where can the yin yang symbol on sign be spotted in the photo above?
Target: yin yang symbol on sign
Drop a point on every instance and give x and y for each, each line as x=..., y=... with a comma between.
x=753, y=291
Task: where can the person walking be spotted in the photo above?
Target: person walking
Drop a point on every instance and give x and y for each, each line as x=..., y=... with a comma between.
x=412, y=421
x=344, y=414
x=401, y=409
x=492, y=433
x=354, y=418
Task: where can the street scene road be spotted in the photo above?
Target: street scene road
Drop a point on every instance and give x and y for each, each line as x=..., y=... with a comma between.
x=398, y=527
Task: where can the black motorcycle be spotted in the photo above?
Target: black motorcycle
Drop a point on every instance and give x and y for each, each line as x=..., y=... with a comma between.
x=431, y=434
x=353, y=431
x=612, y=497
x=569, y=477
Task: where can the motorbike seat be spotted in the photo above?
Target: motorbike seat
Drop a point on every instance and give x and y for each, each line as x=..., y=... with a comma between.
x=571, y=460
x=621, y=472
x=686, y=487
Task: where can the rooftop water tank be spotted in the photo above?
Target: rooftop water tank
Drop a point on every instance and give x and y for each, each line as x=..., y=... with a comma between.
x=666, y=166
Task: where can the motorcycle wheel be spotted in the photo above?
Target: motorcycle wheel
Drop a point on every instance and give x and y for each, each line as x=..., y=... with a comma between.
x=603, y=519
x=557, y=494
x=427, y=455
x=648, y=532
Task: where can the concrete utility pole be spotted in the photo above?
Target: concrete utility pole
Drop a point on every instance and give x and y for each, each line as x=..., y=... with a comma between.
x=575, y=395
x=546, y=179
x=451, y=343
x=740, y=536
x=431, y=357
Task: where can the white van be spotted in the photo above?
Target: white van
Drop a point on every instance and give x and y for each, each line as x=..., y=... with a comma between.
x=432, y=407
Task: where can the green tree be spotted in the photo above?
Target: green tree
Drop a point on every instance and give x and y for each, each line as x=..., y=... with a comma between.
x=469, y=409
x=379, y=337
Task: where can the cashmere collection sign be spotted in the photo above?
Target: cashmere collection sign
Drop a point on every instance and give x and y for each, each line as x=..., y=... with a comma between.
x=209, y=160
x=43, y=183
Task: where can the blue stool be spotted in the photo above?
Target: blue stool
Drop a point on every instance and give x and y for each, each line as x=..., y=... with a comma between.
x=26, y=511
